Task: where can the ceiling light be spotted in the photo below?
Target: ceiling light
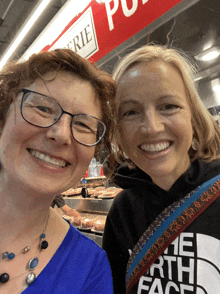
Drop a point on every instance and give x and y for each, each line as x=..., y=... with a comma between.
x=29, y=23
x=208, y=54
x=215, y=84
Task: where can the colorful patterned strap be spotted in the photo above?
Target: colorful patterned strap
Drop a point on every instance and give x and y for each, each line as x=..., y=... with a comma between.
x=167, y=226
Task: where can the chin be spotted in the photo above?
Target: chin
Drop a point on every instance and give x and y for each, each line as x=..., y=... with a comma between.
x=165, y=173
x=160, y=172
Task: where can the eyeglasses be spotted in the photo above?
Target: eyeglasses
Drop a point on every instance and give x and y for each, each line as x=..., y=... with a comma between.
x=42, y=111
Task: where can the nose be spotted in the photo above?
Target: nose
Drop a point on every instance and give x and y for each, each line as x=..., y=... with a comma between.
x=61, y=131
x=152, y=123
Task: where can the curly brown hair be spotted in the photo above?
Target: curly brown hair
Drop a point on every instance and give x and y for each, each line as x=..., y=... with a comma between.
x=17, y=75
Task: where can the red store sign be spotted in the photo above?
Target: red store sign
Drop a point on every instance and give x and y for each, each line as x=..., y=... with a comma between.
x=100, y=28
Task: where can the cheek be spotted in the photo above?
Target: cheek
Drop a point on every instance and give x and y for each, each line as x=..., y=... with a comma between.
x=7, y=138
x=184, y=131
x=128, y=135
x=126, y=132
x=15, y=128
x=126, y=140
x=186, y=125
x=85, y=155
x=121, y=136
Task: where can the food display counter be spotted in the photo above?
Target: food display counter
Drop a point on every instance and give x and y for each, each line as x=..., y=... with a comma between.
x=93, y=206
x=92, y=212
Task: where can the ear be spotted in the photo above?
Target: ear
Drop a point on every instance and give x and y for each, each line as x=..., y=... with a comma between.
x=195, y=144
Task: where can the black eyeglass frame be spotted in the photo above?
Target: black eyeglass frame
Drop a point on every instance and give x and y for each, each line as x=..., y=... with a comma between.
x=25, y=91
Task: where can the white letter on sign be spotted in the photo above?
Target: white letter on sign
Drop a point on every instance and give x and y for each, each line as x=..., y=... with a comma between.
x=129, y=12
x=111, y=12
x=144, y=1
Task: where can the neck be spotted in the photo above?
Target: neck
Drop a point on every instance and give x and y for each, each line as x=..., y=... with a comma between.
x=168, y=178
x=164, y=184
x=167, y=182
x=23, y=215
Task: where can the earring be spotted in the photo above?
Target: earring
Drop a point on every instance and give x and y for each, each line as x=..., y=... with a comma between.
x=125, y=156
x=195, y=144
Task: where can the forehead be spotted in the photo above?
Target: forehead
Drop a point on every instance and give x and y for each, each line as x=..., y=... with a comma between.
x=70, y=91
x=154, y=78
x=154, y=70
x=55, y=79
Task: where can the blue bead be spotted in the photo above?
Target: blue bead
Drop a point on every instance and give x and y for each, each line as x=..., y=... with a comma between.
x=11, y=255
x=42, y=236
x=33, y=263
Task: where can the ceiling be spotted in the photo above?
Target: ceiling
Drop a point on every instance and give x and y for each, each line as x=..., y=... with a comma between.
x=190, y=30
x=13, y=14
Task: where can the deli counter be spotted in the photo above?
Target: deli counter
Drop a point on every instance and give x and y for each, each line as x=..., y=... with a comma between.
x=93, y=201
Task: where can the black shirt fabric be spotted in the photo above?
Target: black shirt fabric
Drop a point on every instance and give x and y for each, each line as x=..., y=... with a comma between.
x=182, y=268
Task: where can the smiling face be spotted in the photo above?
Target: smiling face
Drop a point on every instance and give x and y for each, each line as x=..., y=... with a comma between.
x=48, y=160
x=155, y=121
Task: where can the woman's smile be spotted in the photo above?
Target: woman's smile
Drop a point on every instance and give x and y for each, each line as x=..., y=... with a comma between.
x=155, y=148
x=60, y=163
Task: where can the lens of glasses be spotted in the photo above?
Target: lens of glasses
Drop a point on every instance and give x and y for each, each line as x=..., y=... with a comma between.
x=87, y=129
x=43, y=112
x=40, y=110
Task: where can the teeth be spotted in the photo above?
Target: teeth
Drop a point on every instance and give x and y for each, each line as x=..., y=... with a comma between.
x=155, y=147
x=48, y=159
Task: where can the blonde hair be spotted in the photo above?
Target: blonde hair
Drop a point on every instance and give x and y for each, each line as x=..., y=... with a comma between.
x=206, y=130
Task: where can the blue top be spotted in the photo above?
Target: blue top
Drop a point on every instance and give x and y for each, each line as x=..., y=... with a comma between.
x=79, y=266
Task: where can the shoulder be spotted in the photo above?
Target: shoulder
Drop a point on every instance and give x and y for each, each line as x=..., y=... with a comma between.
x=81, y=244
x=78, y=266
x=130, y=196
x=209, y=170
x=128, y=202
x=72, y=241
x=120, y=201
x=81, y=252
x=211, y=166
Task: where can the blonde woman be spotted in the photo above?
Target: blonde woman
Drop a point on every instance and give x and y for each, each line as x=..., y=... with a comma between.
x=161, y=234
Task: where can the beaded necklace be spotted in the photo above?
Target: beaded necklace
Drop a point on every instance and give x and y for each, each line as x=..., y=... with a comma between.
x=32, y=264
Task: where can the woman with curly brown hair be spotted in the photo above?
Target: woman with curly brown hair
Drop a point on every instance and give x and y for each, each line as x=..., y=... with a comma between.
x=54, y=111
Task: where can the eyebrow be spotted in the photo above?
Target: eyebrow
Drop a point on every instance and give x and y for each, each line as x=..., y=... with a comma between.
x=50, y=96
x=163, y=97
x=175, y=95
x=130, y=101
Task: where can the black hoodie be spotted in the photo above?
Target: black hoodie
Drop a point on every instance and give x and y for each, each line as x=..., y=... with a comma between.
x=137, y=206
